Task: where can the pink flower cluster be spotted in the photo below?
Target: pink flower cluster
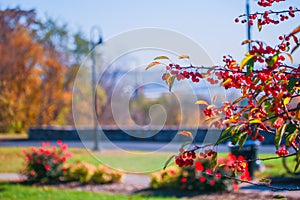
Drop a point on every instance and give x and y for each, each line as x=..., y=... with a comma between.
x=45, y=162
x=201, y=176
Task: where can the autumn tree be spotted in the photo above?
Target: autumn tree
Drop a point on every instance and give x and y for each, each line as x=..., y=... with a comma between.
x=37, y=67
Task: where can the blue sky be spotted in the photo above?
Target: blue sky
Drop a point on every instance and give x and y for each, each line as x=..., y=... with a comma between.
x=209, y=23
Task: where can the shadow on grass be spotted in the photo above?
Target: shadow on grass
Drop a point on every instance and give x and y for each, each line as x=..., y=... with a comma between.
x=150, y=192
x=278, y=182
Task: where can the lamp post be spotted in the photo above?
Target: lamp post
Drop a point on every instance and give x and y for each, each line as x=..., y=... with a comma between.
x=95, y=39
x=248, y=26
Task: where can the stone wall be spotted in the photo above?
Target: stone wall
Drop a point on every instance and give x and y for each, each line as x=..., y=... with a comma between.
x=164, y=135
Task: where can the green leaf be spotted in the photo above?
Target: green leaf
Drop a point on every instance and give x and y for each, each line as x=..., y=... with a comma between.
x=242, y=139
x=250, y=66
x=273, y=60
x=291, y=128
x=290, y=138
x=297, y=160
x=292, y=83
x=225, y=135
x=213, y=161
x=168, y=161
x=278, y=196
x=279, y=134
x=161, y=58
x=236, y=137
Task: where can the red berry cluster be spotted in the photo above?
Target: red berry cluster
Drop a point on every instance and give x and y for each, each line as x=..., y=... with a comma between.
x=282, y=151
x=267, y=3
x=259, y=137
x=238, y=164
x=185, y=159
x=207, y=153
x=265, y=18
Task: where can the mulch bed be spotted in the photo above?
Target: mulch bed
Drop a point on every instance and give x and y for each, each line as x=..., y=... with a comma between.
x=137, y=184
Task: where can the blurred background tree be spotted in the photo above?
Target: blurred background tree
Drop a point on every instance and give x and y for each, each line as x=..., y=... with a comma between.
x=37, y=69
x=39, y=61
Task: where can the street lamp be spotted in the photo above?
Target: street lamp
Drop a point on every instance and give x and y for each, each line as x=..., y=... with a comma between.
x=248, y=26
x=95, y=39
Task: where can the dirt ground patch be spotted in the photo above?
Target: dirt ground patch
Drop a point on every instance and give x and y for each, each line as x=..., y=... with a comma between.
x=139, y=184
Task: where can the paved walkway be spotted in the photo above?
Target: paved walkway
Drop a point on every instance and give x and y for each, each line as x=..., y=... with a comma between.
x=137, y=181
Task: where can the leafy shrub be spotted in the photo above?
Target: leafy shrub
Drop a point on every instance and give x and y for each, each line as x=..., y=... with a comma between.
x=79, y=171
x=199, y=176
x=104, y=175
x=166, y=178
x=44, y=164
x=85, y=172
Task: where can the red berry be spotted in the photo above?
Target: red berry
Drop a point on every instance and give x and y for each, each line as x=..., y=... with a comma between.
x=260, y=138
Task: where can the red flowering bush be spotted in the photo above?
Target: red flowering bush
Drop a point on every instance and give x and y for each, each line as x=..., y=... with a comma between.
x=44, y=164
x=201, y=177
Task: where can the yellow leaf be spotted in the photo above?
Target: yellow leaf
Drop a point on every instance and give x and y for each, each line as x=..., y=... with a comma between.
x=161, y=58
x=183, y=56
x=231, y=120
x=167, y=77
x=246, y=60
x=259, y=26
x=213, y=99
x=286, y=100
x=262, y=99
x=253, y=109
x=239, y=99
x=227, y=81
x=186, y=133
x=152, y=64
x=290, y=57
x=255, y=121
x=246, y=41
x=298, y=114
x=279, y=96
x=171, y=82
x=201, y=102
x=207, y=119
x=244, y=90
x=296, y=30
x=211, y=106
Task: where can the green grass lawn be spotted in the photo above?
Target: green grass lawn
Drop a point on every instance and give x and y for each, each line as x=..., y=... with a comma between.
x=13, y=191
x=12, y=160
x=275, y=168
